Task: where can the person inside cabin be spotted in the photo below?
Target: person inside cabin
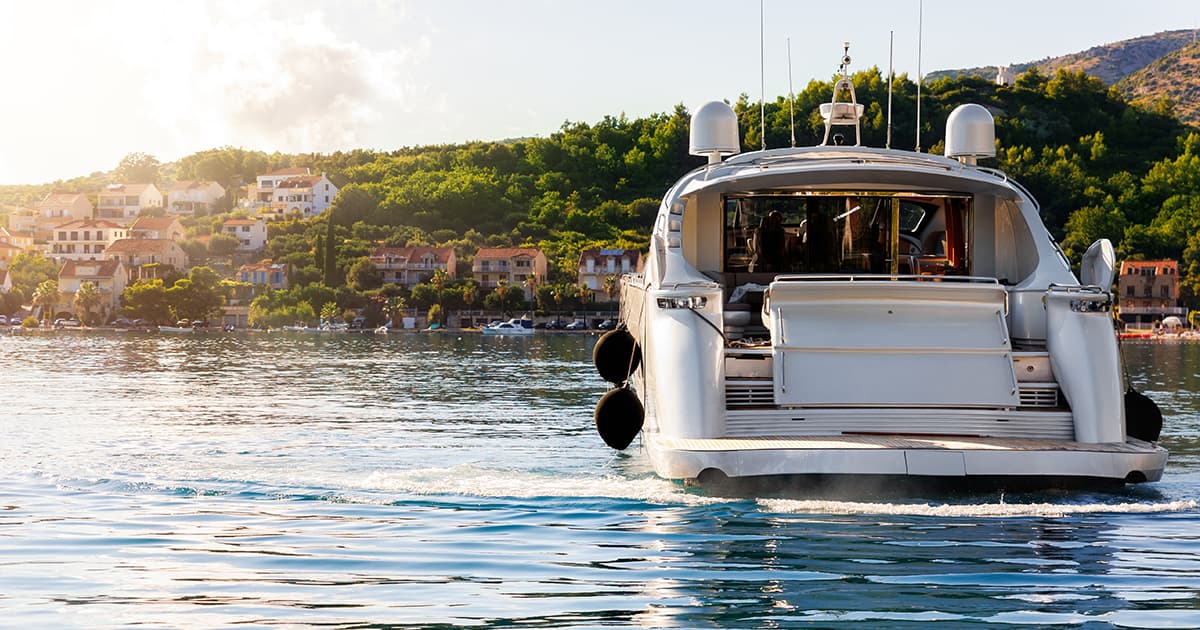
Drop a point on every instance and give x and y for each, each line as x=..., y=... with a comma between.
x=769, y=244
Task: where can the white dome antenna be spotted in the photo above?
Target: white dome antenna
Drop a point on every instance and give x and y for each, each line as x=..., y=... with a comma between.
x=970, y=133
x=714, y=132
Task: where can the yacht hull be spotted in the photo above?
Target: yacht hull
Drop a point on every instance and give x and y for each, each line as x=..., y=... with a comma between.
x=971, y=460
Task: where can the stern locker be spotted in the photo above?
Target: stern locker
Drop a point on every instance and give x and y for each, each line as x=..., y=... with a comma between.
x=845, y=343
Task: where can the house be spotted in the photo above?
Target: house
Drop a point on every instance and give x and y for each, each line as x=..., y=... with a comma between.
x=136, y=252
x=84, y=240
x=595, y=265
x=108, y=275
x=251, y=233
x=1149, y=291
x=157, y=227
x=407, y=266
x=307, y=195
x=191, y=197
x=8, y=251
x=124, y=202
x=511, y=264
x=53, y=210
x=274, y=275
x=13, y=237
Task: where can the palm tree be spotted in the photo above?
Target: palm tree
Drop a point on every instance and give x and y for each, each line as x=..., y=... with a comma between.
x=610, y=286
x=531, y=285
x=501, y=289
x=439, y=282
x=86, y=298
x=46, y=296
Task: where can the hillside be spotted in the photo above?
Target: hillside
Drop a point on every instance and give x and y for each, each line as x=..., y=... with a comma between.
x=1175, y=76
x=1109, y=62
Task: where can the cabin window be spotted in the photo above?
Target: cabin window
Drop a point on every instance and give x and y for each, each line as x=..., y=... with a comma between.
x=851, y=233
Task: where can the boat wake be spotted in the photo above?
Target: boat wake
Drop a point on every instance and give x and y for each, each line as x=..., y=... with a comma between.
x=975, y=510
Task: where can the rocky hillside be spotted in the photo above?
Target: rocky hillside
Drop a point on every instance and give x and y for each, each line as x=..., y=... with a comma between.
x=1174, y=76
x=1145, y=68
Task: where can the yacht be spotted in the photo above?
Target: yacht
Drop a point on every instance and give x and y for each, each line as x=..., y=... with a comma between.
x=514, y=326
x=841, y=312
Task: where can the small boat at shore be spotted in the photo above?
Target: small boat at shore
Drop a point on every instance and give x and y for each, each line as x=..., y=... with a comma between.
x=512, y=327
x=847, y=313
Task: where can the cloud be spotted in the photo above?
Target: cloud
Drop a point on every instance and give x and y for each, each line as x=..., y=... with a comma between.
x=278, y=78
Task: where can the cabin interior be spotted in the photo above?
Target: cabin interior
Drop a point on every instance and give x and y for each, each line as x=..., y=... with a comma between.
x=747, y=239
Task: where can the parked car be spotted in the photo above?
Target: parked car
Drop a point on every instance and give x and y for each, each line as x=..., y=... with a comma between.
x=556, y=324
x=607, y=324
x=578, y=324
x=3, y=320
x=357, y=323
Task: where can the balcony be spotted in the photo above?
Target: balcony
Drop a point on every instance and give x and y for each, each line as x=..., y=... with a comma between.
x=1153, y=310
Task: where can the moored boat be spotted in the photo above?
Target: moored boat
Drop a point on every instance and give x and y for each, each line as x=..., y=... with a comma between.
x=846, y=312
x=512, y=327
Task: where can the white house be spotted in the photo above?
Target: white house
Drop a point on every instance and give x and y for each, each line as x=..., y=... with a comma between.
x=124, y=202
x=85, y=240
x=251, y=233
x=188, y=197
x=291, y=191
x=597, y=264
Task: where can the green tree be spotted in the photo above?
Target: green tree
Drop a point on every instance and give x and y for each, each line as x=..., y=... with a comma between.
x=137, y=168
x=147, y=299
x=364, y=276
x=222, y=244
x=87, y=297
x=30, y=269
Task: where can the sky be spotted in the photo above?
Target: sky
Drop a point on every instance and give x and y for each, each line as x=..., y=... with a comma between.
x=91, y=81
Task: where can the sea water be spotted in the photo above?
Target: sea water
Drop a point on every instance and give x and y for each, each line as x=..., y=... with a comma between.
x=424, y=480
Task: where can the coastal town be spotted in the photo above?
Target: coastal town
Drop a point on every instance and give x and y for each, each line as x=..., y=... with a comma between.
x=108, y=246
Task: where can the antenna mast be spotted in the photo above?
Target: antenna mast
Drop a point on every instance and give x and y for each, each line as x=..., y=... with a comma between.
x=891, y=80
x=792, y=94
x=762, y=81
x=920, y=79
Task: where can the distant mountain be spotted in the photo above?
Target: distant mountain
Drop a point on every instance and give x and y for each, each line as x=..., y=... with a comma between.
x=1144, y=68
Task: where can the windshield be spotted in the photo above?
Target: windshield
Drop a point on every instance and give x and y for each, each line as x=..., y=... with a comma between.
x=839, y=234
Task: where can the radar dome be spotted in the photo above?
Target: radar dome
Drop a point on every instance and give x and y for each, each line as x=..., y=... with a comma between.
x=970, y=133
x=714, y=131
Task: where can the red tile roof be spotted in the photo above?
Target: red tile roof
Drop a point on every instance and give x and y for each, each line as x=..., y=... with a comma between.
x=241, y=222
x=506, y=252
x=90, y=223
x=299, y=182
x=300, y=170
x=59, y=199
x=125, y=189
x=154, y=223
x=104, y=268
x=140, y=246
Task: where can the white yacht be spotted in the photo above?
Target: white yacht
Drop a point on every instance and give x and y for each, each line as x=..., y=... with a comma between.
x=843, y=312
x=513, y=327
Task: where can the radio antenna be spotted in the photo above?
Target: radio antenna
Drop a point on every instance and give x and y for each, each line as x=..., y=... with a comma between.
x=792, y=94
x=762, y=81
x=891, y=80
x=920, y=79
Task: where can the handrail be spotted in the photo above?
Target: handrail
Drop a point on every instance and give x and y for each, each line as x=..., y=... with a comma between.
x=884, y=278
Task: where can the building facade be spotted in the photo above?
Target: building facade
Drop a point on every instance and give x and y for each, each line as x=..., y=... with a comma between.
x=290, y=191
x=1148, y=291
x=513, y=265
x=192, y=197
x=250, y=233
x=136, y=253
x=274, y=275
x=108, y=275
x=124, y=202
x=157, y=227
x=597, y=265
x=407, y=266
x=85, y=240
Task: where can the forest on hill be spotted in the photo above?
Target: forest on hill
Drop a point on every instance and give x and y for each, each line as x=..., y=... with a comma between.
x=1099, y=165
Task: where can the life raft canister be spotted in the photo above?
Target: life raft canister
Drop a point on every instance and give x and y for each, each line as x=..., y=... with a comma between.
x=619, y=415
x=616, y=355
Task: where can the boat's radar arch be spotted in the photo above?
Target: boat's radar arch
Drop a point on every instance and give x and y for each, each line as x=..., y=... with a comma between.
x=714, y=132
x=970, y=133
